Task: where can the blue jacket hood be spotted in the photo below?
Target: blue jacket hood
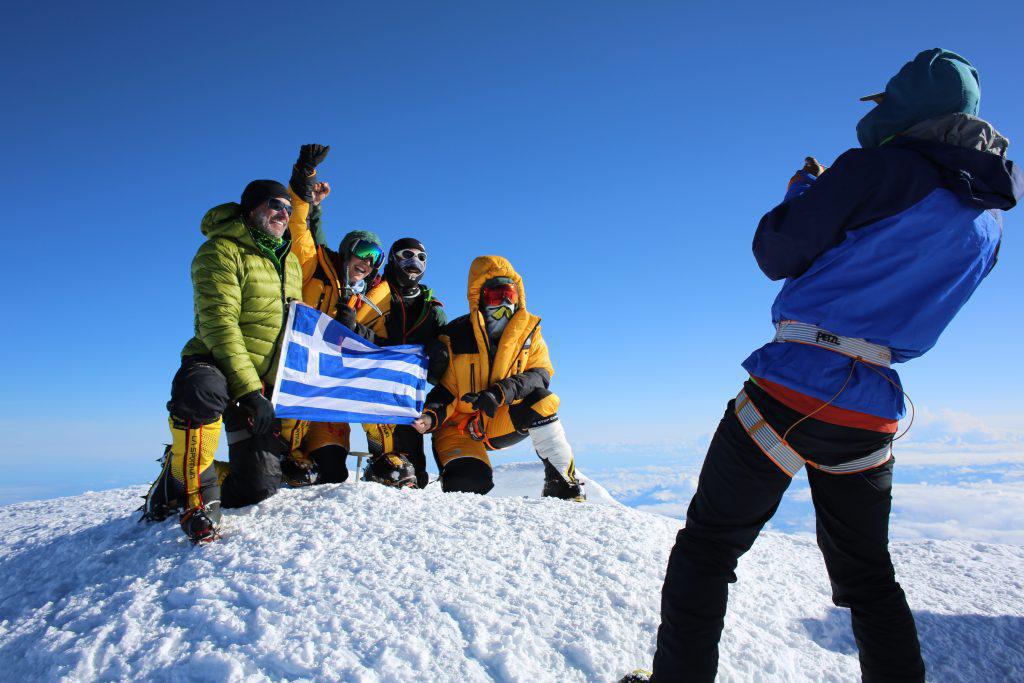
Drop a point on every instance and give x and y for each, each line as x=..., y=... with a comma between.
x=934, y=83
x=980, y=179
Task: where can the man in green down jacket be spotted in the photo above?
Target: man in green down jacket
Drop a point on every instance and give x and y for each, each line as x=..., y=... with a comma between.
x=243, y=277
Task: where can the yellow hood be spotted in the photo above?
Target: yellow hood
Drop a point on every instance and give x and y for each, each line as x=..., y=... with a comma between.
x=483, y=269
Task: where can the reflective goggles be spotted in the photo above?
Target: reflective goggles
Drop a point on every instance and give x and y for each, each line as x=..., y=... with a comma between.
x=275, y=204
x=498, y=294
x=408, y=254
x=368, y=251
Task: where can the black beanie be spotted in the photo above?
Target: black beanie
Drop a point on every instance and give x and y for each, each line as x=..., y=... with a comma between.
x=406, y=243
x=259, y=191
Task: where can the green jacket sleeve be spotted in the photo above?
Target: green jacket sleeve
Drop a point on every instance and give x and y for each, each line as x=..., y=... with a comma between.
x=316, y=224
x=440, y=318
x=218, y=304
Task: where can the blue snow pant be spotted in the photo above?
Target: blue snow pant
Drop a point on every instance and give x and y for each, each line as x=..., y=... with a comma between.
x=738, y=492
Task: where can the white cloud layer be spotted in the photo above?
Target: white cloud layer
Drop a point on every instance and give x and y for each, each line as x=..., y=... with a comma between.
x=958, y=476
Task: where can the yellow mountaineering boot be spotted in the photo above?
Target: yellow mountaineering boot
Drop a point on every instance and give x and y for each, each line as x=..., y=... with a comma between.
x=185, y=472
x=194, y=478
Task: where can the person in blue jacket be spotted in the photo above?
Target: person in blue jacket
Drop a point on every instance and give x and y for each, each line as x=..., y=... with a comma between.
x=878, y=253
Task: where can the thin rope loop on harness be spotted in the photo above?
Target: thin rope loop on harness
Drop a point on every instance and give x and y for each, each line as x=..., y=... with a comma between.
x=814, y=412
x=913, y=410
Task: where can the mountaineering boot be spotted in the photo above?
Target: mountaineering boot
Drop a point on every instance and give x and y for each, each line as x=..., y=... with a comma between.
x=201, y=524
x=559, y=469
x=390, y=469
x=556, y=486
x=388, y=438
x=297, y=469
x=160, y=501
x=187, y=477
x=298, y=473
x=192, y=470
x=638, y=676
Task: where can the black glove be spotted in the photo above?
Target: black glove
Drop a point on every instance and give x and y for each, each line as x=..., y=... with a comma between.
x=346, y=315
x=487, y=401
x=261, y=409
x=310, y=156
x=812, y=166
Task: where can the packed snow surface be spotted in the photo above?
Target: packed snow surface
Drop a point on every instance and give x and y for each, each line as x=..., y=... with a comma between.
x=365, y=583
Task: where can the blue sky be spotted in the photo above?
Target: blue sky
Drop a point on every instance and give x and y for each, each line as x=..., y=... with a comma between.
x=619, y=154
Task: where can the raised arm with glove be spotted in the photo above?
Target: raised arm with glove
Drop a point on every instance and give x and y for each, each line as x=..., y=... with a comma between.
x=304, y=170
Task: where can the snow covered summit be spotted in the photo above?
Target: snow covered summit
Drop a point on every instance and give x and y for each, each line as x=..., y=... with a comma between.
x=364, y=583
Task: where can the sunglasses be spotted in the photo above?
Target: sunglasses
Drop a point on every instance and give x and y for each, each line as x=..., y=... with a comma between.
x=496, y=295
x=368, y=251
x=278, y=205
x=406, y=254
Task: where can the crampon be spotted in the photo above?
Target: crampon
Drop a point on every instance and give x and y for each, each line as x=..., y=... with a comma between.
x=390, y=469
x=198, y=526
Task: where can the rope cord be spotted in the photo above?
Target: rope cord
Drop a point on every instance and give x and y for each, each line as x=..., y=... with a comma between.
x=849, y=376
x=913, y=410
x=853, y=366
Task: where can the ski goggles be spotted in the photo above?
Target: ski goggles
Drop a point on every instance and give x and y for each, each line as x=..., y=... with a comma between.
x=275, y=204
x=409, y=254
x=498, y=294
x=368, y=251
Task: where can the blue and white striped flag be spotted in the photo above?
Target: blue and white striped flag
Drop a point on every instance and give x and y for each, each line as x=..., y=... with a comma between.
x=328, y=373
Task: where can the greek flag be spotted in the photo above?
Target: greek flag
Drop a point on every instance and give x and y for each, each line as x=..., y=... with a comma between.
x=328, y=373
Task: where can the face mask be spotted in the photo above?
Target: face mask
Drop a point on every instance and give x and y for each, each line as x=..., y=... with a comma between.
x=406, y=266
x=411, y=259
x=407, y=272
x=496, y=318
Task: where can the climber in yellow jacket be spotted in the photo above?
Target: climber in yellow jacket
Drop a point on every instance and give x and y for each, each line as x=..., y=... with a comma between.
x=339, y=283
x=494, y=392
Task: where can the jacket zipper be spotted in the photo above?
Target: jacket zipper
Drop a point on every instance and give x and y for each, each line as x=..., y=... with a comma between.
x=529, y=338
x=487, y=350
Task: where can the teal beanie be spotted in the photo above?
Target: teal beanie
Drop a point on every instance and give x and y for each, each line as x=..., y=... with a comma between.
x=351, y=238
x=935, y=83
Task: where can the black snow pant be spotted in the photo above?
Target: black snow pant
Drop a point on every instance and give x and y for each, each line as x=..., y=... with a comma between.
x=738, y=492
x=199, y=395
